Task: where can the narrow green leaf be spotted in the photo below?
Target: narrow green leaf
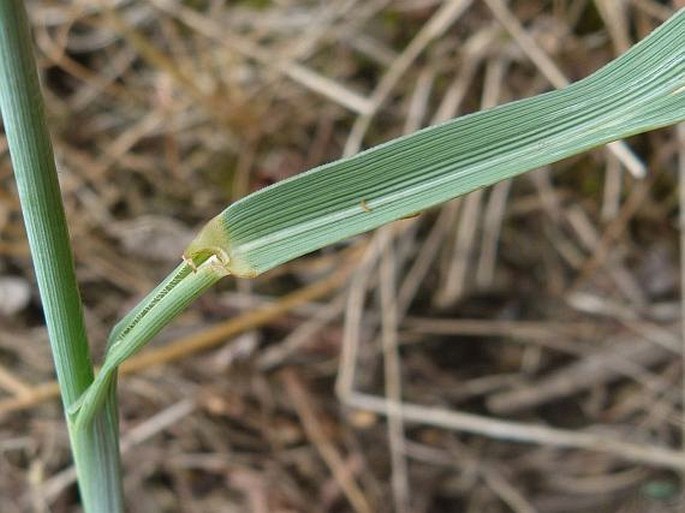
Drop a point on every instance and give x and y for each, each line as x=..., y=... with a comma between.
x=642, y=90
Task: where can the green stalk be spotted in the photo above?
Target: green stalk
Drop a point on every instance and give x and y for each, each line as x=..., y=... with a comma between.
x=95, y=450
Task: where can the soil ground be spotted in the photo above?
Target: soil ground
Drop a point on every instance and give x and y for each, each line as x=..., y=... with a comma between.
x=531, y=331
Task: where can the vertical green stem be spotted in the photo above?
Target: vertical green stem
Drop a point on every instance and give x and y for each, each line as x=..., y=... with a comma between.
x=96, y=451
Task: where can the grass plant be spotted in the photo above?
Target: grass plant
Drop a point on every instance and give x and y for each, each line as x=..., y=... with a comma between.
x=642, y=90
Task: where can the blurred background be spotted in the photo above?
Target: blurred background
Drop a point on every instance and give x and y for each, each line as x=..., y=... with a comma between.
x=517, y=350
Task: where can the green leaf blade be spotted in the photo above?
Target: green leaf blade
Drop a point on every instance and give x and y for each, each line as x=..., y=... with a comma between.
x=640, y=91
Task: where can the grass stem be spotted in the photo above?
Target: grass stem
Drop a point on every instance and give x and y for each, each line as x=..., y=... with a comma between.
x=96, y=449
